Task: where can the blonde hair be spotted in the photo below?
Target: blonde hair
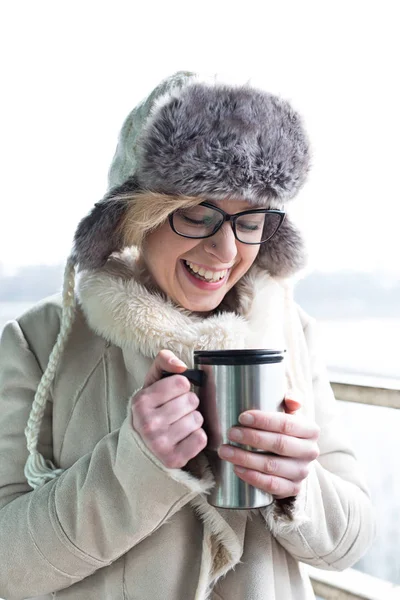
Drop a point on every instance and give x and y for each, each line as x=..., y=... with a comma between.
x=147, y=211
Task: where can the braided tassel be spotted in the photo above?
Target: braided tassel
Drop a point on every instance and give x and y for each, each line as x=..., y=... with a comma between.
x=38, y=470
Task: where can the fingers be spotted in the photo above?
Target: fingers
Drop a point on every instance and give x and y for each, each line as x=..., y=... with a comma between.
x=161, y=392
x=291, y=446
x=278, y=443
x=177, y=408
x=181, y=429
x=277, y=486
x=187, y=449
x=165, y=416
x=181, y=442
x=164, y=361
x=283, y=423
x=288, y=468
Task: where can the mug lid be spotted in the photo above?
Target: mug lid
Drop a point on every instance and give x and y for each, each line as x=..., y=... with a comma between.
x=238, y=357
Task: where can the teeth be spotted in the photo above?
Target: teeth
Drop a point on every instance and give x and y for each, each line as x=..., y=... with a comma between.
x=206, y=274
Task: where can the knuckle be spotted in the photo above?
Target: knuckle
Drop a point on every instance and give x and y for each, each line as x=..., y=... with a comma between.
x=317, y=431
x=200, y=439
x=279, y=444
x=139, y=399
x=149, y=426
x=256, y=438
x=296, y=489
x=266, y=422
x=257, y=479
x=193, y=400
x=161, y=446
x=198, y=418
x=270, y=465
x=246, y=459
x=182, y=383
x=304, y=471
x=170, y=462
x=314, y=452
x=275, y=486
x=287, y=425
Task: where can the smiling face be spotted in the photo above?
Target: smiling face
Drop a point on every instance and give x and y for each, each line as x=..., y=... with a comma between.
x=192, y=272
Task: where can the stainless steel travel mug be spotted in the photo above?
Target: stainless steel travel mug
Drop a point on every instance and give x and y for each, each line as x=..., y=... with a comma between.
x=235, y=381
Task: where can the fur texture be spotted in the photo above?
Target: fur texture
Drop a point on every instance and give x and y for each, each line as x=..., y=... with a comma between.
x=284, y=254
x=219, y=141
x=99, y=233
x=121, y=309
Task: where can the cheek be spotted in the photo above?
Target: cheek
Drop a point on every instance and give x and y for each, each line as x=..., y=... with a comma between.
x=162, y=250
x=249, y=255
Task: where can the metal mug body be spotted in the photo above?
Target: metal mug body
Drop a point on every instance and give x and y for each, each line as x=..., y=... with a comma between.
x=226, y=392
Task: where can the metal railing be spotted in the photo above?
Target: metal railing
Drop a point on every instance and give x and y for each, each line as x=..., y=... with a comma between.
x=352, y=584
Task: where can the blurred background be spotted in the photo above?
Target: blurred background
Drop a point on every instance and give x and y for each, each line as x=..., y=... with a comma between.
x=70, y=73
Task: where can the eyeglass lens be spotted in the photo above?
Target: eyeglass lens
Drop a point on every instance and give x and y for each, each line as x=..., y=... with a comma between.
x=202, y=221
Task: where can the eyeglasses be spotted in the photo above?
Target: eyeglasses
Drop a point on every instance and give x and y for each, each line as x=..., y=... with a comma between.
x=204, y=220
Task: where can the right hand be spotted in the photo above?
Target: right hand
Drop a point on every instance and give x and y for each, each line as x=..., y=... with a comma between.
x=165, y=416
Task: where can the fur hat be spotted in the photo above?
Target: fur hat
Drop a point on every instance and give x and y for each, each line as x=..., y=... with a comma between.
x=204, y=138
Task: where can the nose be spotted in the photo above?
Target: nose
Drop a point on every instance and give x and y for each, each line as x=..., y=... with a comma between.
x=225, y=244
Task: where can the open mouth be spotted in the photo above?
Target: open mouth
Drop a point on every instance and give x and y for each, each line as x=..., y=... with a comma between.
x=204, y=274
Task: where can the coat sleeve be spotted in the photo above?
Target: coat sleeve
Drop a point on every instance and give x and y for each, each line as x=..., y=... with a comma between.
x=333, y=523
x=98, y=509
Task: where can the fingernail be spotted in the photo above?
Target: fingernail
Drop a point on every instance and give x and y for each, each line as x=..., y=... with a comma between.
x=177, y=362
x=226, y=452
x=235, y=434
x=246, y=419
x=240, y=469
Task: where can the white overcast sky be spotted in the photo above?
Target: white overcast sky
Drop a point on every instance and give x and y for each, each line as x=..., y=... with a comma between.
x=71, y=71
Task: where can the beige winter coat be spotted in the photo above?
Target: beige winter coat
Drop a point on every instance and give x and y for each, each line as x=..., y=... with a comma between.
x=116, y=524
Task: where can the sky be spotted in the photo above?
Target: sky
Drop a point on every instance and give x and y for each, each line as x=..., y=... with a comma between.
x=71, y=71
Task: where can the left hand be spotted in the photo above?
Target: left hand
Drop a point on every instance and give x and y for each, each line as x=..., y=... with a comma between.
x=292, y=440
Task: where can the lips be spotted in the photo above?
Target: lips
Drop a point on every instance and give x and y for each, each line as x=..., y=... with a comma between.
x=200, y=282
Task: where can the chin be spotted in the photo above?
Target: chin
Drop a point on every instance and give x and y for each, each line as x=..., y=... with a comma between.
x=205, y=305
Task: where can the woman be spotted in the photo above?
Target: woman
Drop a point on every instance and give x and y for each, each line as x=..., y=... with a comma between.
x=190, y=249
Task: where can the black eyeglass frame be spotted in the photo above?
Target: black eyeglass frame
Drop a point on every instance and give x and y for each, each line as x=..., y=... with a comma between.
x=232, y=219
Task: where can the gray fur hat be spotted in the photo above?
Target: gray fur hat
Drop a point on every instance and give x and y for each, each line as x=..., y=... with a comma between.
x=204, y=138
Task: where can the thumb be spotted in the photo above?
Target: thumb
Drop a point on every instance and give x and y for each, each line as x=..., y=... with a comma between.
x=291, y=405
x=164, y=361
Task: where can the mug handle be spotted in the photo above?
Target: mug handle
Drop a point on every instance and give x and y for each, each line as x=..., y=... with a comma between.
x=195, y=376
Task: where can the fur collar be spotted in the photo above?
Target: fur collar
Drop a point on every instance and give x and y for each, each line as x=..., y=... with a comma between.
x=122, y=306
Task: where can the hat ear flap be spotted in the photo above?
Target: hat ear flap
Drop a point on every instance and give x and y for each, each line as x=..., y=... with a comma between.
x=284, y=254
x=98, y=234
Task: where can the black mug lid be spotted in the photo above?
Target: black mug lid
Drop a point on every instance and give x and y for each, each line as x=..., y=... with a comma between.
x=238, y=357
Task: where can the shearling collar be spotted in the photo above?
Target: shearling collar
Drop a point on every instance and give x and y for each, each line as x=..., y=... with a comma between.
x=120, y=308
